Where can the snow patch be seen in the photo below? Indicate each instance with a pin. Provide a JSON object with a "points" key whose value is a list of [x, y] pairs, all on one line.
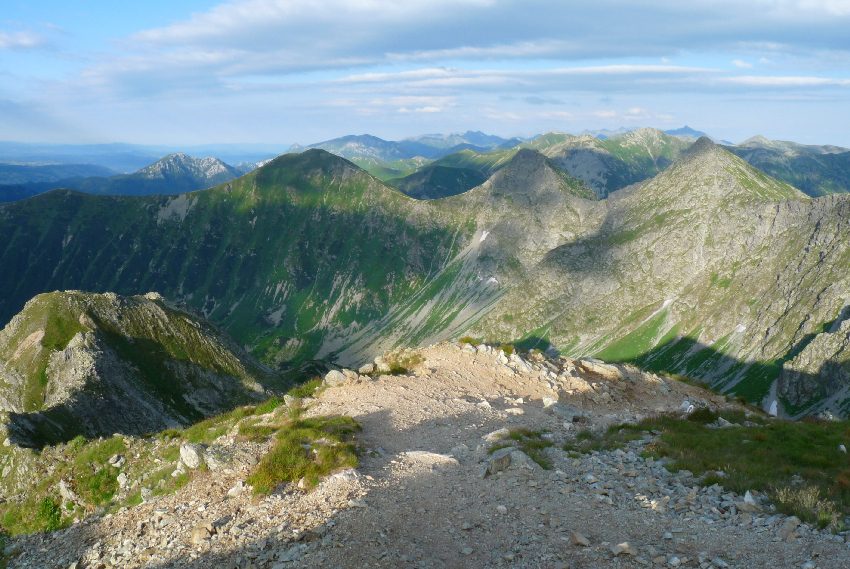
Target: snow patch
{"points": [[483, 236], [492, 280], [740, 328]]}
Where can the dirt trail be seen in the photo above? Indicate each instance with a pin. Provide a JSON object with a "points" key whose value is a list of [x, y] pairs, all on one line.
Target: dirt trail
{"points": [[418, 499]]}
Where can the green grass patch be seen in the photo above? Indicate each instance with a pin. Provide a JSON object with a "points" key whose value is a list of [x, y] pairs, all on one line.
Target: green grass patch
{"points": [[306, 389], [469, 340], [797, 464], [529, 442], [49, 514], [309, 449]]}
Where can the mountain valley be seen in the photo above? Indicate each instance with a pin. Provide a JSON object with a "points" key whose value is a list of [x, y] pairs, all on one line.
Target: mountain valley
{"points": [[309, 257]]}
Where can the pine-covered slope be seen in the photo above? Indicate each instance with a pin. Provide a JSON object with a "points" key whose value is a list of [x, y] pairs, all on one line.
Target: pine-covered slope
{"points": [[81, 363]]}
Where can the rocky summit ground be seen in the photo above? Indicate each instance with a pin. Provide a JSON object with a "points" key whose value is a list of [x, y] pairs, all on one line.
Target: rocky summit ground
{"points": [[428, 495]]}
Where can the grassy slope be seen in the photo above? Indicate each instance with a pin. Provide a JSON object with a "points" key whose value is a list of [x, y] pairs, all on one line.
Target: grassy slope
{"points": [[632, 291], [305, 242]]}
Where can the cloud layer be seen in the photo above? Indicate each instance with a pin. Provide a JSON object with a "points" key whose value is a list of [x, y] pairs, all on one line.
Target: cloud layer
{"points": [[502, 65]]}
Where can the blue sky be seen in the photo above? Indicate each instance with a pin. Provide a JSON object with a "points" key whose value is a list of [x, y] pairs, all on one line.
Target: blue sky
{"points": [[280, 71]]}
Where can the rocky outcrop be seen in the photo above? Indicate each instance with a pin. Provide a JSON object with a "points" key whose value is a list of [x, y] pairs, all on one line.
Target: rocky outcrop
{"points": [[103, 364], [820, 374]]}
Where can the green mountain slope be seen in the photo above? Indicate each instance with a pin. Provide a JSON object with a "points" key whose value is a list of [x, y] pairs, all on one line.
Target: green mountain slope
{"points": [[487, 163], [280, 257], [816, 170], [711, 270], [81, 363], [432, 182], [619, 161], [390, 170]]}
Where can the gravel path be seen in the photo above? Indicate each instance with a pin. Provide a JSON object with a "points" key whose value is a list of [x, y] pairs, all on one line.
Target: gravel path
{"points": [[418, 499]]}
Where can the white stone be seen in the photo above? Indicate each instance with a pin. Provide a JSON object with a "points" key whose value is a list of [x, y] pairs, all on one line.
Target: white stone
{"points": [[192, 454]]}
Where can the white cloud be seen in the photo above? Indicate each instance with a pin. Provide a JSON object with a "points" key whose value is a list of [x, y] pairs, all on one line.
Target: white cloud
{"points": [[24, 40], [742, 64], [757, 81]]}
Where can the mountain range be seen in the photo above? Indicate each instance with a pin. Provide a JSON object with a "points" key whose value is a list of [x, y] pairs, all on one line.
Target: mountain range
{"points": [[710, 269], [173, 174]]}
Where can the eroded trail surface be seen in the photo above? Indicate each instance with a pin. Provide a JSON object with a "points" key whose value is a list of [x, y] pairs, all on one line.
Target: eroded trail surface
{"points": [[419, 499]]}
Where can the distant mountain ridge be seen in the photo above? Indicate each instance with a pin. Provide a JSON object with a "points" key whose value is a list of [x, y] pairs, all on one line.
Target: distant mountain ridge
{"points": [[173, 174], [816, 170]]}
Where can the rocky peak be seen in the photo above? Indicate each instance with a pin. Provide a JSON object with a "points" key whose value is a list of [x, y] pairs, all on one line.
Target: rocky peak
{"points": [[530, 173]]}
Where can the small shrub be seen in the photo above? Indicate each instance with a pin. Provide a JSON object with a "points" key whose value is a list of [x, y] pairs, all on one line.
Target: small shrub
{"points": [[806, 504], [77, 443], [268, 406], [329, 445], [529, 442], [507, 348], [703, 416], [171, 434], [584, 435], [49, 514], [469, 340]]}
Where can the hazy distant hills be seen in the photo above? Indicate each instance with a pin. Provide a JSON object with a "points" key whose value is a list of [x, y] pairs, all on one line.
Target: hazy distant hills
{"points": [[607, 161], [429, 146], [710, 269], [12, 174], [127, 158], [173, 174]]}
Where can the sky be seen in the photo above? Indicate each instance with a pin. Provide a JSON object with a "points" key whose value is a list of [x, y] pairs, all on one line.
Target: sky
{"points": [[278, 71]]}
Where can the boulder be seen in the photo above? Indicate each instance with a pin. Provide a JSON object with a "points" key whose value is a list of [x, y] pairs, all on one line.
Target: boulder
{"points": [[335, 378], [499, 460], [192, 454], [564, 412], [367, 369], [202, 532]]}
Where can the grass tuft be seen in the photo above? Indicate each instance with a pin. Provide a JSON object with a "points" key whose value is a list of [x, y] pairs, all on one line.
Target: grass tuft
{"points": [[309, 449], [770, 455], [529, 442]]}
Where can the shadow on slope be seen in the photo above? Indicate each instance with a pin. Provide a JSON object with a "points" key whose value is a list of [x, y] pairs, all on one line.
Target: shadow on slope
{"points": [[689, 358]]}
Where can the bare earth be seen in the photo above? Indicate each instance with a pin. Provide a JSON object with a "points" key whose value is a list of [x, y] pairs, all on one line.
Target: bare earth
{"points": [[418, 500]]}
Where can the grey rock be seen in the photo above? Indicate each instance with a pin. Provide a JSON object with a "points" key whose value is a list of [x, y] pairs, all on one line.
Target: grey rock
{"points": [[192, 454], [499, 460], [335, 378]]}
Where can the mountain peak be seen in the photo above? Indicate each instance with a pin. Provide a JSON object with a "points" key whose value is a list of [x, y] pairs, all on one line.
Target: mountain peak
{"points": [[530, 172], [703, 145]]}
